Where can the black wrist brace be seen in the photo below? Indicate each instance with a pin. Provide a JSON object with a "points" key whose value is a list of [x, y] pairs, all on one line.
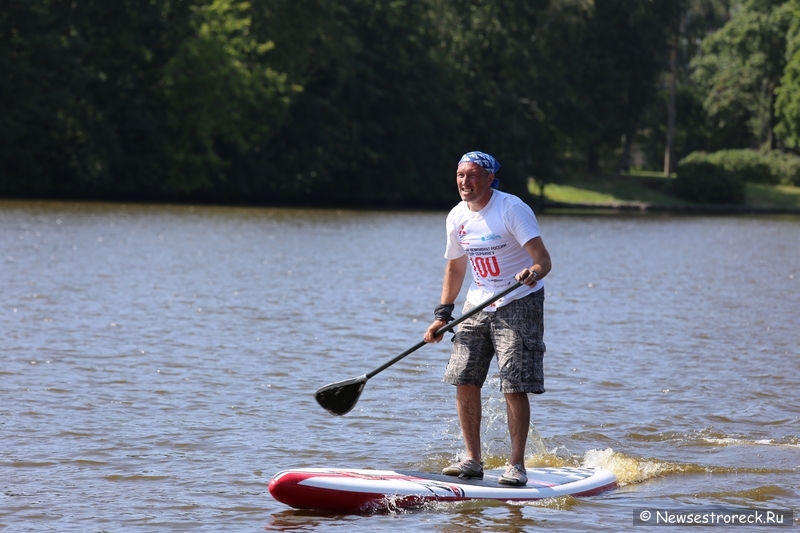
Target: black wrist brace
{"points": [[444, 312]]}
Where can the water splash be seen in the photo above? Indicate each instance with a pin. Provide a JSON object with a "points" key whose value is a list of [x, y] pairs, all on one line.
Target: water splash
{"points": [[636, 469], [628, 469], [495, 439]]}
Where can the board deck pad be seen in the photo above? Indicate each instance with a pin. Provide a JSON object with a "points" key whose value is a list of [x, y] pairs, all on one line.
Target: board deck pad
{"points": [[356, 490]]}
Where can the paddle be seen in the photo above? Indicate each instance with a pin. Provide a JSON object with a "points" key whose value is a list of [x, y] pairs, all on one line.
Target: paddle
{"points": [[340, 397]]}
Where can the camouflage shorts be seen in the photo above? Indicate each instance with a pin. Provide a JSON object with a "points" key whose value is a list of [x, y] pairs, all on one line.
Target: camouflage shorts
{"points": [[515, 333]]}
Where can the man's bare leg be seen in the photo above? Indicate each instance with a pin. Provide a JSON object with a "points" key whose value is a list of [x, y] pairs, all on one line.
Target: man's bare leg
{"points": [[518, 409], [468, 406]]}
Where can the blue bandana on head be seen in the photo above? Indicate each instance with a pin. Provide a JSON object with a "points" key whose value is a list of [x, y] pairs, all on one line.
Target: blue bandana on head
{"points": [[483, 160]]}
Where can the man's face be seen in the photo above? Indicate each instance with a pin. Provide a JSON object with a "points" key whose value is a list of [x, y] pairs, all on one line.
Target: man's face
{"points": [[474, 182]]}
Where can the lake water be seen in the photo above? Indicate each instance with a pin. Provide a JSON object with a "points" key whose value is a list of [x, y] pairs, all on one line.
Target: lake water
{"points": [[158, 365]]}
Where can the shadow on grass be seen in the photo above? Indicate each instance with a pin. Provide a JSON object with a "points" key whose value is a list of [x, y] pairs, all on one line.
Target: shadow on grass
{"points": [[780, 196], [651, 191], [610, 189]]}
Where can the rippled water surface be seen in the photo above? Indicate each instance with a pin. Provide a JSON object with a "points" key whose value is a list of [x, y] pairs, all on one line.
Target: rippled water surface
{"points": [[158, 365]]}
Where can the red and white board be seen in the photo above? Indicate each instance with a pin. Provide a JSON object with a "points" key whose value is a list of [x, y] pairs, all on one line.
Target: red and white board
{"points": [[353, 490]]}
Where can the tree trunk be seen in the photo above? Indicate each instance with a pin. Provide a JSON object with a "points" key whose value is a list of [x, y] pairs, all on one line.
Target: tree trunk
{"points": [[624, 164], [772, 121], [669, 150], [592, 161]]}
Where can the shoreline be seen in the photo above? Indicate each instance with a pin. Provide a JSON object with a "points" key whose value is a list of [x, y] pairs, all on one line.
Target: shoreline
{"points": [[644, 207], [536, 204]]}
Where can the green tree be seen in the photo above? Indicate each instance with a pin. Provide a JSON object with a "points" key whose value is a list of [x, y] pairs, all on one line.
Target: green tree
{"points": [[571, 76], [741, 66], [621, 54], [29, 46], [220, 98], [78, 94], [375, 107], [787, 104], [689, 21], [693, 132], [504, 92]]}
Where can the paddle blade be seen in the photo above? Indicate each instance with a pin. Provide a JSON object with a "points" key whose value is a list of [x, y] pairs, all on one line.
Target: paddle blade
{"points": [[339, 398]]}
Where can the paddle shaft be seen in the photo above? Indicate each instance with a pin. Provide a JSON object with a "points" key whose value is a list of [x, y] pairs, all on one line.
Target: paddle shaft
{"points": [[447, 327]]}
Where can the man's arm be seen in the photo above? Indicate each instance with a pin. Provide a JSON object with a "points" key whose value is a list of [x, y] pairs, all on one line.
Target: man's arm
{"points": [[541, 262], [454, 273]]}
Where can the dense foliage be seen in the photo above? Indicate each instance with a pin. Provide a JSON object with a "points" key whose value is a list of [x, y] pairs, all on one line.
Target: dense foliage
{"points": [[788, 94], [753, 166], [706, 183], [373, 101]]}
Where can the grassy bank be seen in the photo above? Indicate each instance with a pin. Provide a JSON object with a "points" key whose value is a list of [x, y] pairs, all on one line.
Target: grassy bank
{"points": [[655, 190]]}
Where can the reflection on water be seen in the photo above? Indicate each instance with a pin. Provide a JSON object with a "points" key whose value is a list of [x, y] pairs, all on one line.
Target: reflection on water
{"points": [[159, 365]]}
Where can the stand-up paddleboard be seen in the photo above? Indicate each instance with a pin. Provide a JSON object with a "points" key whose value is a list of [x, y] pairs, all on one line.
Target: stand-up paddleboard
{"points": [[351, 490]]}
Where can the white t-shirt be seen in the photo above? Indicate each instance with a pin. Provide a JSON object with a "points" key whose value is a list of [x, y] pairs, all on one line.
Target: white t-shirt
{"points": [[492, 239]]}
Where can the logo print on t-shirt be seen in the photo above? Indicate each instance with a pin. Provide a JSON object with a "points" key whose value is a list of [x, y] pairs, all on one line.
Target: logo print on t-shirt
{"points": [[462, 235]]}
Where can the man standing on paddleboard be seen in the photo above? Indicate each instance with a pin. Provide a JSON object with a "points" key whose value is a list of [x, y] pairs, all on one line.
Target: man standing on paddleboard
{"points": [[497, 235]]}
